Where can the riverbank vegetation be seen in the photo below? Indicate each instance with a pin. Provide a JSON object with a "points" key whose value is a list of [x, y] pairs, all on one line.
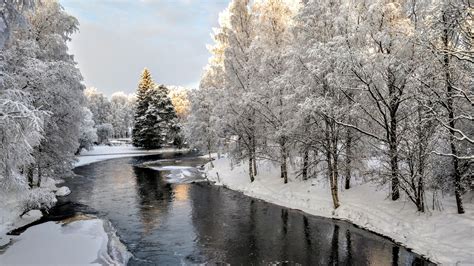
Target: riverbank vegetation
{"points": [[41, 99], [47, 116], [344, 92]]}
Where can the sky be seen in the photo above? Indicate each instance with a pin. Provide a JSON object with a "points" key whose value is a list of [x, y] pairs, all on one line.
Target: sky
{"points": [[119, 38]]}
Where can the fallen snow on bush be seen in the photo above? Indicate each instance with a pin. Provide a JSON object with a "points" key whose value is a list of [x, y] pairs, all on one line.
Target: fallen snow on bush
{"points": [[443, 236]]}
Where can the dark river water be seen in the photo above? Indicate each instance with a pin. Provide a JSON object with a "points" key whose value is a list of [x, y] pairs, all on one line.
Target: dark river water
{"points": [[169, 224]]}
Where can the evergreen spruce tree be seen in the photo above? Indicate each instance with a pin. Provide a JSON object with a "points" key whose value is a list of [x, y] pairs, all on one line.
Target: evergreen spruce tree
{"points": [[156, 122]]}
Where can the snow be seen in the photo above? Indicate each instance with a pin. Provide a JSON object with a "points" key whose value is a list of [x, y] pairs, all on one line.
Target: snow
{"points": [[63, 191], [10, 214], [180, 174], [77, 242], [442, 236], [9, 222], [105, 152]]}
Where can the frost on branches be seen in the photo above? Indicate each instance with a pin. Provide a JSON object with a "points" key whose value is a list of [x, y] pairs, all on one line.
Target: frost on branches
{"points": [[347, 92], [118, 112], [156, 123], [41, 97]]}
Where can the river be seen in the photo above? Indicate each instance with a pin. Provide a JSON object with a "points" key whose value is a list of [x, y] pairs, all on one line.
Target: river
{"points": [[168, 223]]}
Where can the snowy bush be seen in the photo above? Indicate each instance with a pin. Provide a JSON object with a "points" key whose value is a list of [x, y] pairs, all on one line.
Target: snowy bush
{"points": [[38, 198]]}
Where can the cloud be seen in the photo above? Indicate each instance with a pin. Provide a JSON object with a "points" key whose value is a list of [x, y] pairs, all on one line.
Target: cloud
{"points": [[118, 38]]}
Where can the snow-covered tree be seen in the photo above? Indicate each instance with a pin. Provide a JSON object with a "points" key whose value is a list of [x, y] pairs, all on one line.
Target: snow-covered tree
{"points": [[311, 83], [88, 132], [445, 40], [99, 105], [180, 99], [236, 116], [122, 111], [104, 133], [60, 90], [38, 64], [156, 123]]}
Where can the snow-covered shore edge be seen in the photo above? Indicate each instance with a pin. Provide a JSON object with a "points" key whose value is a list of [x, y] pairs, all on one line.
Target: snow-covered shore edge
{"points": [[443, 237], [104, 152]]}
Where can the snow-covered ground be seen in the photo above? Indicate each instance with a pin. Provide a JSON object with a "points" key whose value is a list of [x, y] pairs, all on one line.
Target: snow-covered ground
{"points": [[79, 242], [104, 152], [12, 208], [442, 236]]}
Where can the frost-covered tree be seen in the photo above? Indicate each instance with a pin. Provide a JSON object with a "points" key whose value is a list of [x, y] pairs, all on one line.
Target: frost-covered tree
{"points": [[60, 92], [201, 128], [198, 129], [312, 71], [21, 123], [237, 117], [445, 37], [37, 59], [104, 133], [311, 86], [99, 105], [180, 99], [272, 100], [88, 132], [122, 112]]}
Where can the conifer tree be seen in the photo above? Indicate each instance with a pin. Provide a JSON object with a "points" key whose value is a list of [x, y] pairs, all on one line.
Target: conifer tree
{"points": [[156, 122]]}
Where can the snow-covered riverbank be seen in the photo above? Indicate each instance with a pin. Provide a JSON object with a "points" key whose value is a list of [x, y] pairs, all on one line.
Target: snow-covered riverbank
{"points": [[12, 202], [442, 236], [104, 152], [80, 241]]}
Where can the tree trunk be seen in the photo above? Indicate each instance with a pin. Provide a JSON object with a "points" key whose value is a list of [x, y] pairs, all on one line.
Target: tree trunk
{"points": [[452, 125], [251, 170], [393, 153], [283, 167], [331, 149], [254, 157], [30, 174], [305, 164], [335, 170], [40, 175], [347, 184], [284, 171], [254, 165], [209, 152]]}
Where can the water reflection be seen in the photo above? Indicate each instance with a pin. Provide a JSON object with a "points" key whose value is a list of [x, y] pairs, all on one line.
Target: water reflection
{"points": [[154, 197], [162, 223]]}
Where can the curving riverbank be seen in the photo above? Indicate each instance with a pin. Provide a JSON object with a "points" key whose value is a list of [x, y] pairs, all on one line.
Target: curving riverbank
{"points": [[444, 236]]}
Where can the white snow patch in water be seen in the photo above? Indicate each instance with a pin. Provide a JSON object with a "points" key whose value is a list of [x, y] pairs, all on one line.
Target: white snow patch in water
{"points": [[180, 174], [63, 191], [78, 242]]}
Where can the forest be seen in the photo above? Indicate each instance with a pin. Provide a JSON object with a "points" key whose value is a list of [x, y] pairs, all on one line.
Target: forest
{"points": [[373, 90]]}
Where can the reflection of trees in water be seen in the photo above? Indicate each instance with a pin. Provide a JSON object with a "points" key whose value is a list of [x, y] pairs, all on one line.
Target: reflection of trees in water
{"points": [[239, 230], [99, 182], [154, 197], [236, 229]]}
